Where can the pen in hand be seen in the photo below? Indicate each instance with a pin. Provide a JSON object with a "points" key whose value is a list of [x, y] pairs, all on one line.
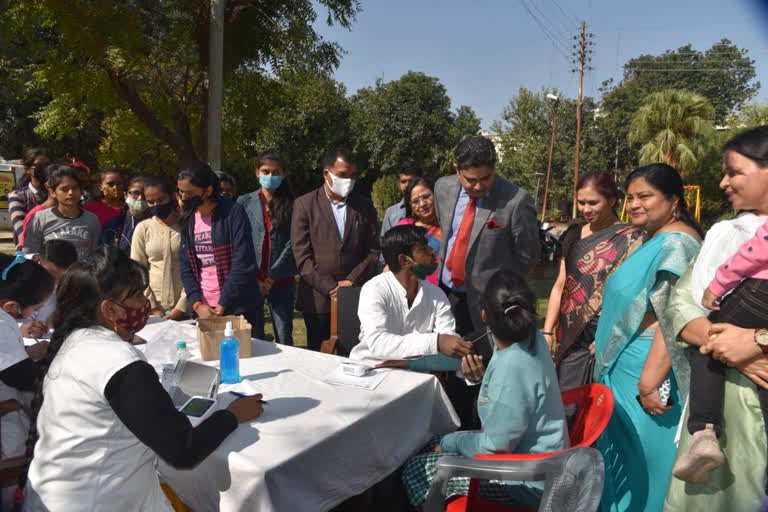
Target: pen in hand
{"points": [[241, 395]]}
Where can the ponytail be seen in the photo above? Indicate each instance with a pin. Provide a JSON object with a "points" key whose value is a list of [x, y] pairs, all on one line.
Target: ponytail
{"points": [[108, 274], [510, 309]]}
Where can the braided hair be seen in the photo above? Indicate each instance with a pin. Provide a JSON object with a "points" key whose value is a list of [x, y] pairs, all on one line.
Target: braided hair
{"points": [[510, 309], [108, 274]]}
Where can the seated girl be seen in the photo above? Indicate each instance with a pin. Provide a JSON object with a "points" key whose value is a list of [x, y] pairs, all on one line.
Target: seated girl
{"points": [[519, 404]]}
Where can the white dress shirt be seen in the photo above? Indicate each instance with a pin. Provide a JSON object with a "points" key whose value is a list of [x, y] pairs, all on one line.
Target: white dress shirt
{"points": [[389, 329]]}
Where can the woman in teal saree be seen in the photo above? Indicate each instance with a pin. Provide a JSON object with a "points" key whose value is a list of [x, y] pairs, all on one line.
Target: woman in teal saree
{"points": [[638, 444]]}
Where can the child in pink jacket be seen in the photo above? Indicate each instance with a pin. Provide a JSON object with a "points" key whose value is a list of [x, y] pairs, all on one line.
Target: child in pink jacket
{"points": [[745, 274]]}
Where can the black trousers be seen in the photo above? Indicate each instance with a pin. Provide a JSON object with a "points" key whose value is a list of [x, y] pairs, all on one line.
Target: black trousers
{"points": [[746, 306], [462, 396]]}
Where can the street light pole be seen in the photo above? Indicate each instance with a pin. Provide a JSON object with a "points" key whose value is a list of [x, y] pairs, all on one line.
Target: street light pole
{"points": [[551, 151], [215, 83], [538, 180]]}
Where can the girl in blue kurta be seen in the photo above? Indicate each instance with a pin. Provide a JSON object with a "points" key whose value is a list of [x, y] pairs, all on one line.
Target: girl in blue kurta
{"points": [[519, 404]]}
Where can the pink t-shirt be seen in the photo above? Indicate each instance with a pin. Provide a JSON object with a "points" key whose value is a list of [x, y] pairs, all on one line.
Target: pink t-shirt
{"points": [[751, 261], [209, 281]]}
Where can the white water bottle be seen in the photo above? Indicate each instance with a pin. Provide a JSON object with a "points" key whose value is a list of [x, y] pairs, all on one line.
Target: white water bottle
{"points": [[182, 352]]}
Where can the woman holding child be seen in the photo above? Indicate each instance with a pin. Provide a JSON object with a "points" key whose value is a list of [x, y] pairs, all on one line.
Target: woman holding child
{"points": [[739, 483], [638, 444]]}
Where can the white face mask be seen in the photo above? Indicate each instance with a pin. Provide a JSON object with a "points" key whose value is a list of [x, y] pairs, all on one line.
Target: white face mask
{"points": [[137, 205], [341, 186]]}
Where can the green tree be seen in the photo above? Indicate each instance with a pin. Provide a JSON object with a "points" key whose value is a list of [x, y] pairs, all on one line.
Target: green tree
{"points": [[408, 119], [151, 58], [674, 127]]}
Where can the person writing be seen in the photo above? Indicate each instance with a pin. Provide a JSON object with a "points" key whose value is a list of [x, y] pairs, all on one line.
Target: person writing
{"points": [[401, 314], [101, 414]]}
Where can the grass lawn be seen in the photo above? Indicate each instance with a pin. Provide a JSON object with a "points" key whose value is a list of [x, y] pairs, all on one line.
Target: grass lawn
{"points": [[540, 280]]}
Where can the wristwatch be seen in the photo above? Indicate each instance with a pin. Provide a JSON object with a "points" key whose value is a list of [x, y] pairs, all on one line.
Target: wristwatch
{"points": [[761, 339]]}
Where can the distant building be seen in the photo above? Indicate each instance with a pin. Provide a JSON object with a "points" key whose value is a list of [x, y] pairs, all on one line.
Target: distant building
{"points": [[496, 139]]}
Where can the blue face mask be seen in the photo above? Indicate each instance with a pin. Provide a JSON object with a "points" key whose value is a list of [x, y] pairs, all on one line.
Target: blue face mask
{"points": [[270, 182]]}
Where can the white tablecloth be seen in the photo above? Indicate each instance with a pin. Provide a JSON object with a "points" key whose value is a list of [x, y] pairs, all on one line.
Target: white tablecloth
{"points": [[316, 444]]}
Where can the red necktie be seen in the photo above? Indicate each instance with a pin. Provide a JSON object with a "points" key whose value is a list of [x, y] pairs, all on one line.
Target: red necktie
{"points": [[458, 255]]}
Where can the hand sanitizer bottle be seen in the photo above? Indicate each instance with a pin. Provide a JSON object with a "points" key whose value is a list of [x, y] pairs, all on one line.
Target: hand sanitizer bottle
{"points": [[229, 357]]}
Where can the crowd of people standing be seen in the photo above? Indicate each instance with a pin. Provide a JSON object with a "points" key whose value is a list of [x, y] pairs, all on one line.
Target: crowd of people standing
{"points": [[669, 318]]}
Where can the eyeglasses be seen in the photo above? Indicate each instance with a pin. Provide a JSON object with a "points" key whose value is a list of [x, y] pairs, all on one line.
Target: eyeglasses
{"points": [[426, 198]]}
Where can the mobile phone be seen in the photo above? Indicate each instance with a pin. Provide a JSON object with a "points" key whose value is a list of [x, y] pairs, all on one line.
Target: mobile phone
{"points": [[481, 345], [197, 406]]}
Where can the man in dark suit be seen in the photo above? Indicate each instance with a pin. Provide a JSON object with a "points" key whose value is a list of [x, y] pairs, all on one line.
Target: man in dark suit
{"points": [[488, 224], [335, 242]]}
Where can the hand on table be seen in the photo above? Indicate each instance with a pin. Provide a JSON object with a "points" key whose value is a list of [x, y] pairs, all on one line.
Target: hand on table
{"points": [[394, 363], [34, 329], [158, 312], [472, 367], [453, 346], [731, 345], [175, 314], [247, 408], [205, 311], [437, 449], [37, 351], [218, 310], [710, 300]]}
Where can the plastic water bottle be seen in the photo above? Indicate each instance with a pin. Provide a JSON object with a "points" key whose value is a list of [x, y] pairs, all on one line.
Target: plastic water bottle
{"points": [[229, 357], [182, 352]]}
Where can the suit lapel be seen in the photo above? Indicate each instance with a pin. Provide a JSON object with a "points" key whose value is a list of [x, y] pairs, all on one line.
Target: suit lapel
{"points": [[482, 214], [351, 218], [324, 205]]}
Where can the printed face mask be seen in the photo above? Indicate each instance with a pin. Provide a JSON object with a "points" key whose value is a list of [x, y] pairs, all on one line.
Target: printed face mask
{"points": [[135, 318], [136, 205], [110, 192], [271, 182], [341, 186], [162, 211]]}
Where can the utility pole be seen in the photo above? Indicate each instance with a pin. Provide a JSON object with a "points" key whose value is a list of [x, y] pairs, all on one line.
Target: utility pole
{"points": [[582, 56], [215, 83], [551, 151]]}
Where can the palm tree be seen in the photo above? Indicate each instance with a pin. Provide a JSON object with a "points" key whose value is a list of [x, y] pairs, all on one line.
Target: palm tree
{"points": [[674, 127]]}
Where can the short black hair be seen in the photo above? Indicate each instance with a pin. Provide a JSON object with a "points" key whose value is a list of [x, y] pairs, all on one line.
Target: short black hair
{"points": [[27, 283], [30, 154], [476, 151], [226, 178], [59, 252], [410, 169], [276, 156], [510, 309], [401, 240], [335, 153], [163, 182]]}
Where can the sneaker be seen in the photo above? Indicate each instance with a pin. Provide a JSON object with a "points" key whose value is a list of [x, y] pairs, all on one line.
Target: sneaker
{"points": [[702, 456]]}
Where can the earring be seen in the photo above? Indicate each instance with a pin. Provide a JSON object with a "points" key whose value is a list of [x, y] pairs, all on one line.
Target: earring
{"points": [[674, 214]]}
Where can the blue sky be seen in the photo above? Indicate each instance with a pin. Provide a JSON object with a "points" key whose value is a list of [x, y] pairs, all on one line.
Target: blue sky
{"points": [[484, 51]]}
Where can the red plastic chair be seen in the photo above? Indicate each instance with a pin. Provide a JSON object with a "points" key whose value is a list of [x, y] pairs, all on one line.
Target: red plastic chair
{"points": [[594, 408]]}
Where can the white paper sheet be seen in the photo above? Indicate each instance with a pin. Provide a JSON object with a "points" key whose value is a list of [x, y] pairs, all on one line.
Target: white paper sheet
{"points": [[337, 377]]}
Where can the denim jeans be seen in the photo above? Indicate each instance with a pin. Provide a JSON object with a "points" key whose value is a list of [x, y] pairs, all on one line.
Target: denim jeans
{"points": [[280, 301]]}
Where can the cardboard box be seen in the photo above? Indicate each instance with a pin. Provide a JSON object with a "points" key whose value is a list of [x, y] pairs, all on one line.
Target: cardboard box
{"points": [[210, 332]]}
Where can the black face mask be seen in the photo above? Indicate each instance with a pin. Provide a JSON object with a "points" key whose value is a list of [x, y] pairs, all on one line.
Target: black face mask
{"points": [[162, 211], [40, 172], [193, 203]]}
